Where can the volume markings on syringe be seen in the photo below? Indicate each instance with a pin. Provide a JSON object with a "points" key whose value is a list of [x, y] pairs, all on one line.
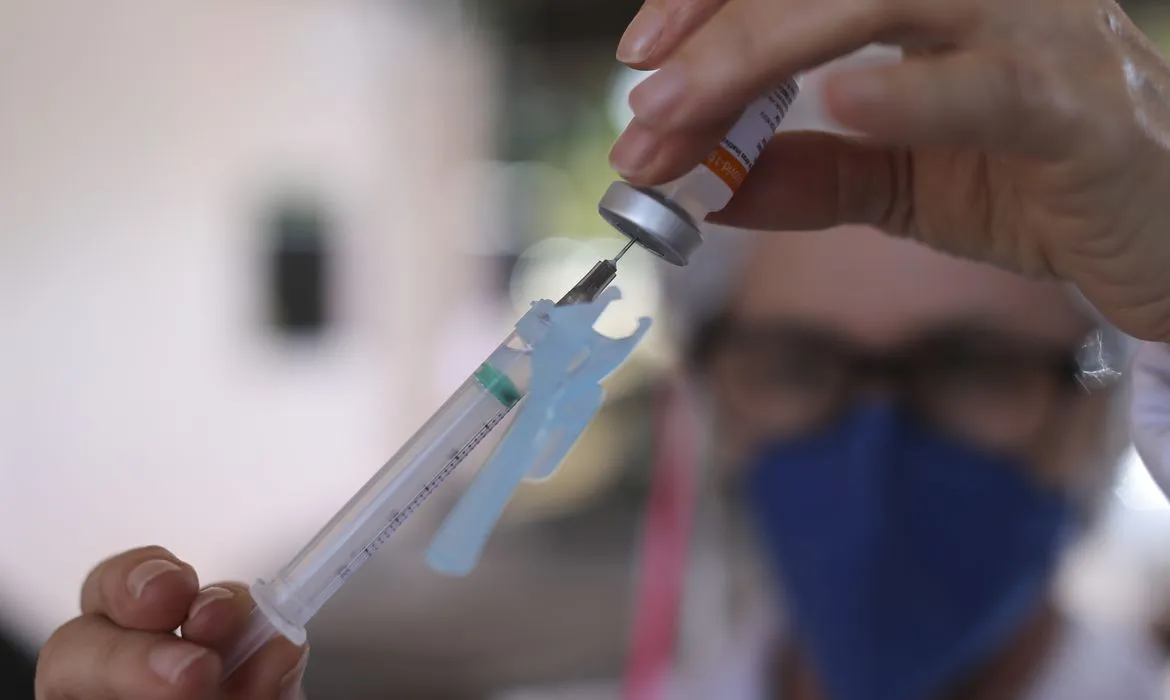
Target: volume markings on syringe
{"points": [[398, 517]]}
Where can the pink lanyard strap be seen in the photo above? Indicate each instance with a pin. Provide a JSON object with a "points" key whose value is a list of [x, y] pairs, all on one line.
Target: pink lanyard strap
{"points": [[665, 547]]}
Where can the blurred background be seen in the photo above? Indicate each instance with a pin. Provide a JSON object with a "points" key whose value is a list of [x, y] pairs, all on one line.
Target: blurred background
{"points": [[247, 246]]}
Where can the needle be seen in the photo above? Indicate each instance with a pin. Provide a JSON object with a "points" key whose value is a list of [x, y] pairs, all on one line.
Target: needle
{"points": [[624, 250]]}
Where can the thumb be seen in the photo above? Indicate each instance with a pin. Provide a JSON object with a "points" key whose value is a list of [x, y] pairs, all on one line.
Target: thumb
{"points": [[808, 181]]}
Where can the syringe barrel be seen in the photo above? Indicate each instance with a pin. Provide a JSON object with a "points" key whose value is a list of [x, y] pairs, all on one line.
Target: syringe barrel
{"points": [[299, 590]]}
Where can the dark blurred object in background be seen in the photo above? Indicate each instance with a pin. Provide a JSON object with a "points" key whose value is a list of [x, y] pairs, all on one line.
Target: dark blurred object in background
{"points": [[556, 22], [299, 256], [16, 669]]}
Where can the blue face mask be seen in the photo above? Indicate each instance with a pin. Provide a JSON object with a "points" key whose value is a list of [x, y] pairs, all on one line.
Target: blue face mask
{"points": [[906, 558]]}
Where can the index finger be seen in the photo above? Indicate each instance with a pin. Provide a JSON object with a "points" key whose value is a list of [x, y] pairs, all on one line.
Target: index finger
{"points": [[659, 27], [750, 46], [146, 589]]}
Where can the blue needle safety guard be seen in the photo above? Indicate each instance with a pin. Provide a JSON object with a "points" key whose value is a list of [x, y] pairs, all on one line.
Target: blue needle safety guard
{"points": [[569, 361]]}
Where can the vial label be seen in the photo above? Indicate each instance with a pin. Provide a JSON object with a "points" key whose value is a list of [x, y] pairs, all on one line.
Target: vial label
{"points": [[743, 146]]}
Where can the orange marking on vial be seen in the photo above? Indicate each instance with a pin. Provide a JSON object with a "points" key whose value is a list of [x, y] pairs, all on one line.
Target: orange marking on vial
{"points": [[727, 167]]}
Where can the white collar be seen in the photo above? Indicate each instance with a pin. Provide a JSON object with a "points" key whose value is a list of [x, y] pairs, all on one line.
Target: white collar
{"points": [[1088, 663], [1098, 663]]}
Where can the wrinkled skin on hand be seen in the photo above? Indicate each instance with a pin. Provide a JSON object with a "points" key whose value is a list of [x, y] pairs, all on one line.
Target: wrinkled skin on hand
{"points": [[1034, 135]]}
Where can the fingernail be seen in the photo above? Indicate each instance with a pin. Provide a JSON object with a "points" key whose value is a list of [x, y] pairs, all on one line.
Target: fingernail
{"points": [[290, 685], [146, 572], [660, 94], [633, 151], [641, 35], [206, 597], [170, 660]]}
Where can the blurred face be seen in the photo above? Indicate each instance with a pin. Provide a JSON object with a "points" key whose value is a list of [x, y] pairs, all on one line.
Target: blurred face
{"points": [[909, 429], [824, 320]]}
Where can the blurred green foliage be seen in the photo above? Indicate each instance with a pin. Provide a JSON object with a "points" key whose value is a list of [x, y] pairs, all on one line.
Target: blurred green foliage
{"points": [[584, 159]]}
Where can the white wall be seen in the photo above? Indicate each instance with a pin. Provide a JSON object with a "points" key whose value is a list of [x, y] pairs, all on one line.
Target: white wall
{"points": [[140, 400]]}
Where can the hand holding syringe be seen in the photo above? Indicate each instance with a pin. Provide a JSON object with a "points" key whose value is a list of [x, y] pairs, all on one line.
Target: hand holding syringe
{"points": [[553, 352]]}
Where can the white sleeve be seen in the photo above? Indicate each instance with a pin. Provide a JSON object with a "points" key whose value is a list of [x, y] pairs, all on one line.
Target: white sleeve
{"points": [[1150, 412]]}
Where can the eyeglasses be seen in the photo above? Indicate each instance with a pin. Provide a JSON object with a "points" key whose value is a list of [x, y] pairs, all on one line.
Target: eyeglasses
{"points": [[980, 385]]}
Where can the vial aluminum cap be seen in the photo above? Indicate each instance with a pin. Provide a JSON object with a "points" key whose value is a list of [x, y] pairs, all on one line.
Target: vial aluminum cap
{"points": [[652, 221]]}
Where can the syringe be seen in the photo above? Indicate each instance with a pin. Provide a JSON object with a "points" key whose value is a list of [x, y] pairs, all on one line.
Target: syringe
{"points": [[663, 220], [286, 602]]}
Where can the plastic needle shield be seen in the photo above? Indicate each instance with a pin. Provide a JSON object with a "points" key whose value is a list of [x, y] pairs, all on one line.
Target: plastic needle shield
{"points": [[569, 361]]}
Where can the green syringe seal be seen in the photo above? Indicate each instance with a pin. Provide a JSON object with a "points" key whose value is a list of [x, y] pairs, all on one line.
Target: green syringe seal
{"points": [[498, 385]]}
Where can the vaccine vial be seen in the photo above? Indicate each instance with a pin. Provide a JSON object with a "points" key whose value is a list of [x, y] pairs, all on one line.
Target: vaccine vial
{"points": [[665, 219]]}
